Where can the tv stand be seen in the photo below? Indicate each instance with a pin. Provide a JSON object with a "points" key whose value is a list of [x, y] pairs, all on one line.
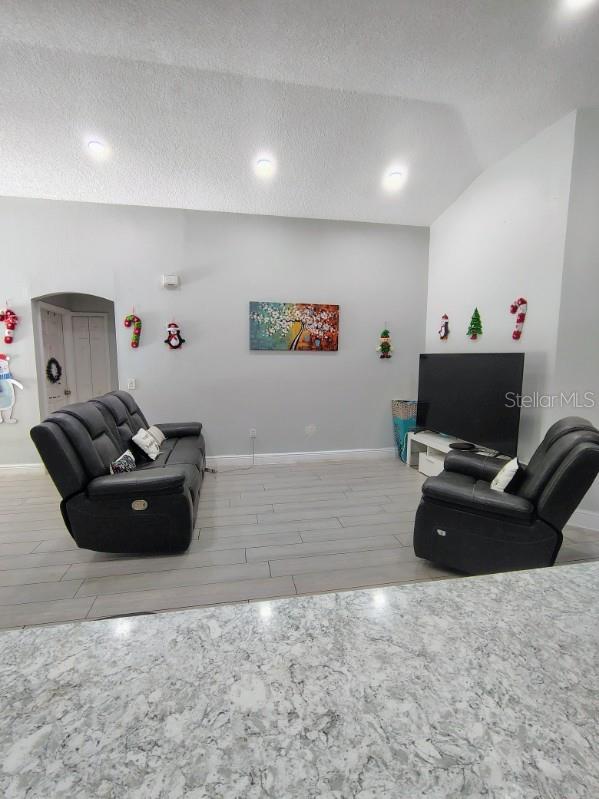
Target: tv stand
{"points": [[427, 451]]}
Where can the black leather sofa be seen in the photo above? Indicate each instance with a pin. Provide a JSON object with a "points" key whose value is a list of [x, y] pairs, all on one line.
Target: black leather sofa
{"points": [[463, 524], [151, 509]]}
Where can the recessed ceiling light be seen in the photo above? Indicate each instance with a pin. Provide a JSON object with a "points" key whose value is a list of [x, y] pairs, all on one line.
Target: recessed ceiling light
{"points": [[394, 179], [97, 148], [577, 5], [264, 166]]}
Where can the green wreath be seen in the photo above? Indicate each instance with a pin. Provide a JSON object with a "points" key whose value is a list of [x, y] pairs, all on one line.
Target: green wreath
{"points": [[53, 371]]}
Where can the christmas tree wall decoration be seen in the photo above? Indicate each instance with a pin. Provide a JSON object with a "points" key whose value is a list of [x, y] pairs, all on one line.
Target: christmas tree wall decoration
{"points": [[475, 328]]}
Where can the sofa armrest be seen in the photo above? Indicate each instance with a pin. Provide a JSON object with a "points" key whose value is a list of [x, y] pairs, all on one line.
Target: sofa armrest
{"points": [[180, 429], [150, 482], [481, 467]]}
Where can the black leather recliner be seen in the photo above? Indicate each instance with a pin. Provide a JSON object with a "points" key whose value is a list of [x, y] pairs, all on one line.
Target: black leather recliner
{"points": [[151, 509], [463, 524]]}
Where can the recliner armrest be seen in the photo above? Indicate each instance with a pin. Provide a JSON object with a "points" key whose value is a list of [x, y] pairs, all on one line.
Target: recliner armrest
{"points": [[476, 496], [151, 482], [180, 429], [481, 467]]}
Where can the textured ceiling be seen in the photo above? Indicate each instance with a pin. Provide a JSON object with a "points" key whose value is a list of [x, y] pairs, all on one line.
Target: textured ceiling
{"points": [[187, 92]]}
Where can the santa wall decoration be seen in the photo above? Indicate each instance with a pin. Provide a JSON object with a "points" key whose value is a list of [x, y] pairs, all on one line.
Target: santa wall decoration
{"points": [[519, 307], [444, 329], [7, 391], [10, 320], [174, 338], [134, 322]]}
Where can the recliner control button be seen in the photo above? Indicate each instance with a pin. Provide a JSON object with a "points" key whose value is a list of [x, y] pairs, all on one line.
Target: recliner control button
{"points": [[139, 504]]}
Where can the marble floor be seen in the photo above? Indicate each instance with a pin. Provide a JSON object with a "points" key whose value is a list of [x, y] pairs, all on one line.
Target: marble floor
{"points": [[268, 531], [478, 687]]}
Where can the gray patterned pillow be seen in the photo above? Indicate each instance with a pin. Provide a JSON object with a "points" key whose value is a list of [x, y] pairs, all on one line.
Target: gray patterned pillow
{"points": [[124, 463]]}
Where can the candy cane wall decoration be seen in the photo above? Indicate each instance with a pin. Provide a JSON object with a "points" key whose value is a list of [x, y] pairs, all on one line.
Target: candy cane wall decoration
{"points": [[134, 322], [11, 321], [519, 307]]}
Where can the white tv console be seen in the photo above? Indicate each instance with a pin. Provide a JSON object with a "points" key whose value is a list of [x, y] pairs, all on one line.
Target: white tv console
{"points": [[427, 451]]}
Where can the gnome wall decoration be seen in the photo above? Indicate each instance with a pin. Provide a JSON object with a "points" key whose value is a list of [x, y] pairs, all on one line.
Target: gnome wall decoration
{"points": [[10, 320], [444, 329], [385, 347], [174, 338], [7, 391]]}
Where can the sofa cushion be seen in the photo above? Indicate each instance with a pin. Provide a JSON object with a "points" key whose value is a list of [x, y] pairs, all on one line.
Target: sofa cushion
{"points": [[133, 409], [186, 450], [116, 413], [93, 440]]}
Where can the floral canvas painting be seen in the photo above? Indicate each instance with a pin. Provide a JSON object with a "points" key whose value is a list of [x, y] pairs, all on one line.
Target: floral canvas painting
{"points": [[294, 326]]}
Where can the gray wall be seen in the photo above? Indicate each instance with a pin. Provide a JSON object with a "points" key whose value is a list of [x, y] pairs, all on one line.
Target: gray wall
{"points": [[377, 273], [504, 238], [577, 361]]}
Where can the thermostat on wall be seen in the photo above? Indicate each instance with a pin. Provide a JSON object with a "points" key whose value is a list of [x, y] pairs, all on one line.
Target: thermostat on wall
{"points": [[170, 281]]}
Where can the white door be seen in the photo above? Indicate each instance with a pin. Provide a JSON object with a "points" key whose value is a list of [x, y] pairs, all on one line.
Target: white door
{"points": [[57, 390], [92, 362]]}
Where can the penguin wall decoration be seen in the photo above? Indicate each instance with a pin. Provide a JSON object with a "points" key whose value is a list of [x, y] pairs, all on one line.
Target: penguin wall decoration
{"points": [[444, 329], [174, 338]]}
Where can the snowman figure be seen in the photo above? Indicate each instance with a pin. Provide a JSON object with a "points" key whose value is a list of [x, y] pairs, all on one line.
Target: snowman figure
{"points": [[174, 339], [7, 391]]}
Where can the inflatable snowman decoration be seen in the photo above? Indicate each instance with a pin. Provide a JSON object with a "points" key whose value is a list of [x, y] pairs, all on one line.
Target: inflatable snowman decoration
{"points": [[7, 391]]}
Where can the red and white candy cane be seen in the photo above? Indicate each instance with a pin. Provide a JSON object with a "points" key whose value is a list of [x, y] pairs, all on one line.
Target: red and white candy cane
{"points": [[11, 321], [519, 307], [134, 322]]}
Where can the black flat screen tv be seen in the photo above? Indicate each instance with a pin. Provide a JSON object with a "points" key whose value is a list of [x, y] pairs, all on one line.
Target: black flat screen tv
{"points": [[472, 397]]}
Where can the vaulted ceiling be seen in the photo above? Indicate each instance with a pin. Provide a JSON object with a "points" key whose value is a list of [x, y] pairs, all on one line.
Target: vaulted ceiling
{"points": [[188, 92]]}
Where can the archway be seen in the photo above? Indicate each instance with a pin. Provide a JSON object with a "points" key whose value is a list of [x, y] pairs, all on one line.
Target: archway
{"points": [[75, 347]]}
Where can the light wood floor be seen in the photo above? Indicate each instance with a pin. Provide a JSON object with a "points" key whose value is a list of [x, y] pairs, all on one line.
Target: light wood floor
{"points": [[269, 531]]}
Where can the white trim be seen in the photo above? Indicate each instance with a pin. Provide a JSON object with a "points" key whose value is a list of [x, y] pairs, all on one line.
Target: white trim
{"points": [[264, 458], [585, 518], [69, 353], [38, 467]]}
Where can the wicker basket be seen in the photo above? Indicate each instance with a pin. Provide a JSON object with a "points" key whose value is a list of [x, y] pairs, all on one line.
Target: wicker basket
{"points": [[404, 420]]}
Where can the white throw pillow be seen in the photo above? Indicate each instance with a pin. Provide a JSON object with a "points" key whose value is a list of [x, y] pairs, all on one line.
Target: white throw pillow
{"points": [[156, 434], [147, 443], [505, 475]]}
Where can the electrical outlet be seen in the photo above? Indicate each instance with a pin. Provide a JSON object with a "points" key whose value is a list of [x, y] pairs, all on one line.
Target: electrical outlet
{"points": [[131, 384], [310, 429], [252, 432]]}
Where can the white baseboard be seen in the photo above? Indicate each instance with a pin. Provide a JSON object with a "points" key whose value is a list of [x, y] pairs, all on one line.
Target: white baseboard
{"points": [[268, 458], [37, 467], [585, 518]]}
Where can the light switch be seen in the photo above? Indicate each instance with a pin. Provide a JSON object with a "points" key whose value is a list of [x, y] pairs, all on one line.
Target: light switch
{"points": [[131, 384]]}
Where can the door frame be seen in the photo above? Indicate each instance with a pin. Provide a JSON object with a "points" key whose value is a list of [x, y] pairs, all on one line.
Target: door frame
{"points": [[69, 354], [88, 314]]}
